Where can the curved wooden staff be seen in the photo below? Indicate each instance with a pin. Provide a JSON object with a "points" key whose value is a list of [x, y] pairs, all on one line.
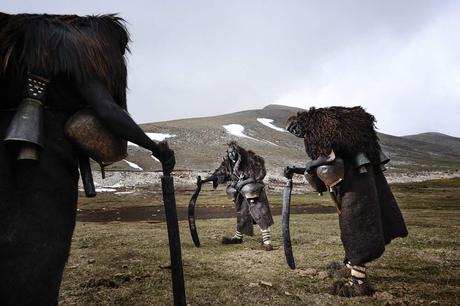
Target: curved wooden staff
{"points": [[285, 224], [167, 184], [191, 208], [191, 213]]}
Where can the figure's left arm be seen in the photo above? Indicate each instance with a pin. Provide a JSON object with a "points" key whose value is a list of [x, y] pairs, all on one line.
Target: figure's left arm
{"points": [[121, 124]]}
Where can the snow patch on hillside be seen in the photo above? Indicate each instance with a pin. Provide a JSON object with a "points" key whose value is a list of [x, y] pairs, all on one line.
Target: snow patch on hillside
{"points": [[268, 122], [105, 189], [133, 165], [156, 137], [236, 130], [155, 159]]}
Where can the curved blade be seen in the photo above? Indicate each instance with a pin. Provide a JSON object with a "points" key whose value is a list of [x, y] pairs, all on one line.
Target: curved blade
{"points": [[167, 184], [191, 213], [286, 233]]}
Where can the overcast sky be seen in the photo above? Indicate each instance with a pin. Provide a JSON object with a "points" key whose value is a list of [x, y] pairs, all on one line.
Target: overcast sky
{"points": [[398, 59]]}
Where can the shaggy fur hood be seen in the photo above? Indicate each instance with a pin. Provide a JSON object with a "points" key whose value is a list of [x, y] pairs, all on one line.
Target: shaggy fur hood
{"points": [[66, 46], [249, 164], [345, 130]]}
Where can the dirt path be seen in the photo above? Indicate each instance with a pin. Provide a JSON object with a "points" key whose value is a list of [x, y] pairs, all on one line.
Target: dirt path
{"points": [[156, 213]]}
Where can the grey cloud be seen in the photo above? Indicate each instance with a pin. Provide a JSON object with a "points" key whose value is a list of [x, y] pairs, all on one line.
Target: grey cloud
{"points": [[197, 58]]}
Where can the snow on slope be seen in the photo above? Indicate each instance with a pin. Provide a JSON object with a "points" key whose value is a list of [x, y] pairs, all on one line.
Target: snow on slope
{"points": [[133, 165], [268, 122], [237, 130], [156, 137]]}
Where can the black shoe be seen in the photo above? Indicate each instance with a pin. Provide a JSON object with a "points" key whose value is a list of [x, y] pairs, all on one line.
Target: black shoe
{"points": [[268, 247], [337, 270], [233, 240], [350, 287]]}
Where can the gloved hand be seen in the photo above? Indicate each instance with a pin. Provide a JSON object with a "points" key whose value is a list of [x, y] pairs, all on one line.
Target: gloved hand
{"points": [[309, 168], [240, 184], [288, 172], [166, 157]]}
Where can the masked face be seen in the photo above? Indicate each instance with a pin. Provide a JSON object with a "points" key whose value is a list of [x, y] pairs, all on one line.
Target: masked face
{"points": [[232, 154], [294, 127]]}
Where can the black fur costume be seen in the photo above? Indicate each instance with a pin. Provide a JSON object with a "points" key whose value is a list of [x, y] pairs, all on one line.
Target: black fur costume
{"points": [[370, 216], [38, 199], [248, 165]]}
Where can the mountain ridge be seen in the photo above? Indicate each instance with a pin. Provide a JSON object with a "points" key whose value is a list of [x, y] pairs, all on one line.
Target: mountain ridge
{"points": [[199, 143]]}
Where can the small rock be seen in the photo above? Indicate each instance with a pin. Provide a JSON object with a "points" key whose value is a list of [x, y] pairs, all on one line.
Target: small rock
{"points": [[322, 274], [307, 272], [73, 267], [383, 295], [166, 265], [268, 284], [287, 293], [124, 266], [91, 260], [253, 284], [434, 302]]}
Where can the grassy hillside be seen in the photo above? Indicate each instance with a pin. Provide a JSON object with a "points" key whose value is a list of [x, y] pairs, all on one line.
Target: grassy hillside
{"points": [[199, 144]]}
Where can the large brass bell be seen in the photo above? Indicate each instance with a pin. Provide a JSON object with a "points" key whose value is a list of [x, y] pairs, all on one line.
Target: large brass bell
{"points": [[25, 132]]}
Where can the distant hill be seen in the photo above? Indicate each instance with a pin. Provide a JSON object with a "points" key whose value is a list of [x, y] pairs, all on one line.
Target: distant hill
{"points": [[199, 143], [438, 139]]}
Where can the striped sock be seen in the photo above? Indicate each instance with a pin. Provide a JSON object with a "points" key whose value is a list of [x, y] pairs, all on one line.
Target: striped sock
{"points": [[238, 235], [358, 274], [266, 236]]}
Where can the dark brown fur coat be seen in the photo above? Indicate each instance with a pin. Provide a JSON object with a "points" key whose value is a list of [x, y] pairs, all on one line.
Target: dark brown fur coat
{"points": [[38, 200], [370, 216], [248, 165]]}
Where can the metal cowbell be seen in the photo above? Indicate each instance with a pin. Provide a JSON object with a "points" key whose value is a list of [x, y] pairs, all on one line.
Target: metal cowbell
{"points": [[25, 132]]}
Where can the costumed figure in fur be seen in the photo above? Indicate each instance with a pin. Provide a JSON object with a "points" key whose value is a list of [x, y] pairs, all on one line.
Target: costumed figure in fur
{"points": [[347, 161], [62, 100], [245, 171]]}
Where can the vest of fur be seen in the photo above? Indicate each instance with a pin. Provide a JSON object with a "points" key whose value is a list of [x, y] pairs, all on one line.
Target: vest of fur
{"points": [[248, 165], [38, 199], [370, 216]]}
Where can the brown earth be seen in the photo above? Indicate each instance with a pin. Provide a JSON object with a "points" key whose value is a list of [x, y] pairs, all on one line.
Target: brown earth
{"points": [[155, 214]]}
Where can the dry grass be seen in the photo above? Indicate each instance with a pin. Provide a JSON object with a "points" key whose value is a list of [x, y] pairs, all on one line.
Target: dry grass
{"points": [[119, 263]]}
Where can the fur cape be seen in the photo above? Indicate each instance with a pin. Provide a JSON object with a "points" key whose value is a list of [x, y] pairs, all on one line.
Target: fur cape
{"points": [[64, 46], [348, 131], [38, 199], [248, 165], [370, 216]]}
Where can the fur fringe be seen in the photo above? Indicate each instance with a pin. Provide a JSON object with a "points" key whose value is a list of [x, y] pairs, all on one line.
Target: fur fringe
{"points": [[249, 164]]}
